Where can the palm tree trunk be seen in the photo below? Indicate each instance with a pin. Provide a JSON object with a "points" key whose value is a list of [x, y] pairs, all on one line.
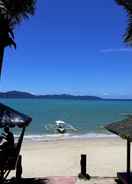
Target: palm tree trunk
{"points": [[1, 58]]}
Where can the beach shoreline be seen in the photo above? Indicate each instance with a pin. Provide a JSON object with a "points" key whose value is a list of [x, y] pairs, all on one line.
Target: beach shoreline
{"points": [[105, 157], [66, 136]]}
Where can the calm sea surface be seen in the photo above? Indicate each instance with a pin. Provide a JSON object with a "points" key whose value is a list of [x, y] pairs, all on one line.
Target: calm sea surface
{"points": [[88, 117]]}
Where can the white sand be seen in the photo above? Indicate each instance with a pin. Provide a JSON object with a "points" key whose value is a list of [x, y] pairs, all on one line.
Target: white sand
{"points": [[105, 157]]}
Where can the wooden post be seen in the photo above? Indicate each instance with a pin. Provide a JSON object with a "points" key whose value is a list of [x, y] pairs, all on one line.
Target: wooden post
{"points": [[128, 160], [20, 140], [1, 58], [83, 164]]}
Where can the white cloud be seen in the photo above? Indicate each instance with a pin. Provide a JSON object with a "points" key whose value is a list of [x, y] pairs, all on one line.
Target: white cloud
{"points": [[116, 50], [106, 94]]}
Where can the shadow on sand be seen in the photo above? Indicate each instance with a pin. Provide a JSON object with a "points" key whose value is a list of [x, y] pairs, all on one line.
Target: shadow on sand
{"points": [[28, 181], [44, 180]]}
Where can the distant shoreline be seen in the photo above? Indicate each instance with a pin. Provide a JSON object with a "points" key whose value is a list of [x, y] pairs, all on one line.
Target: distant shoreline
{"points": [[26, 95]]}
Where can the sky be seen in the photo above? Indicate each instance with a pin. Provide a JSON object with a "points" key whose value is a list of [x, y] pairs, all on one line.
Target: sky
{"points": [[72, 47]]}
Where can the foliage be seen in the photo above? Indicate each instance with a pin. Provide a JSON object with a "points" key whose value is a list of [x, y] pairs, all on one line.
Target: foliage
{"points": [[12, 12], [127, 5]]}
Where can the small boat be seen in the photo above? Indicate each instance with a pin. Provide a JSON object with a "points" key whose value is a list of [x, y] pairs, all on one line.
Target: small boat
{"points": [[60, 126]]}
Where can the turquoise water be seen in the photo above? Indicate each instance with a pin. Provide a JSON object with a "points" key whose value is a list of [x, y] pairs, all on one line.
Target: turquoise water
{"points": [[88, 117]]}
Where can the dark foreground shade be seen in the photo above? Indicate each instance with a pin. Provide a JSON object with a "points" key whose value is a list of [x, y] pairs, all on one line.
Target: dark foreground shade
{"points": [[122, 128], [46, 180], [11, 118]]}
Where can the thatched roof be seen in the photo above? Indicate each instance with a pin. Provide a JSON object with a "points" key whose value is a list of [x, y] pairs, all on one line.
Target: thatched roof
{"points": [[122, 128], [10, 117]]}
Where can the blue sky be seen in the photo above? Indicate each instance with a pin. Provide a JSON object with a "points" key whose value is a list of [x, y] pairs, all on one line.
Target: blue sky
{"points": [[71, 46]]}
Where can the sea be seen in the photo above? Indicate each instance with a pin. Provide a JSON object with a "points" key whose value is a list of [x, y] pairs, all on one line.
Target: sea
{"points": [[86, 118]]}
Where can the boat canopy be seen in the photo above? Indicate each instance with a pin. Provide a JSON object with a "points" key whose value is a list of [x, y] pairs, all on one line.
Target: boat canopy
{"points": [[58, 122], [11, 118]]}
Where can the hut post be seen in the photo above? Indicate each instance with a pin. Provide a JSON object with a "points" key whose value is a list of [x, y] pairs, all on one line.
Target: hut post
{"points": [[128, 160]]}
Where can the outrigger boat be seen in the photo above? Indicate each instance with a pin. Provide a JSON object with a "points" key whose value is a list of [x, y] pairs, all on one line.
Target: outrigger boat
{"points": [[60, 126]]}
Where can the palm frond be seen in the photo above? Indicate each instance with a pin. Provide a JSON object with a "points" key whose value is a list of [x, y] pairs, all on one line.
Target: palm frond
{"points": [[127, 5], [19, 10], [11, 33], [128, 34], [3, 10], [10, 42], [2, 6], [13, 12]]}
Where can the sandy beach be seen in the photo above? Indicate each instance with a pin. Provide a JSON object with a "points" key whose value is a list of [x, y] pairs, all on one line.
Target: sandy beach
{"points": [[105, 157]]}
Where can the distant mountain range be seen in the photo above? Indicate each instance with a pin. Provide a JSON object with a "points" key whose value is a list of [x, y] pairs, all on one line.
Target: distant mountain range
{"points": [[19, 94]]}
